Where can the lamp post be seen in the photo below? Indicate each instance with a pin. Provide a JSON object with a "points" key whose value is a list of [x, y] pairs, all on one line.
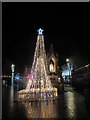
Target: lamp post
{"points": [[12, 79], [12, 68]]}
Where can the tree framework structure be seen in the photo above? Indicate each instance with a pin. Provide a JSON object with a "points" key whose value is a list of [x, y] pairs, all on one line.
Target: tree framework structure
{"points": [[39, 85]]}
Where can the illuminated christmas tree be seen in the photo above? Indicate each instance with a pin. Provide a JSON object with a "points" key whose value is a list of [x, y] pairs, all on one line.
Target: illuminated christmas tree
{"points": [[39, 81], [39, 78]]}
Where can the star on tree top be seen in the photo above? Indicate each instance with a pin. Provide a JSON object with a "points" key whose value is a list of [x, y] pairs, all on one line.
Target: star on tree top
{"points": [[40, 31]]}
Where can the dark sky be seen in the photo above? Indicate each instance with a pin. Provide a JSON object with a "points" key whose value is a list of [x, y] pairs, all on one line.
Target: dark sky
{"points": [[65, 25]]}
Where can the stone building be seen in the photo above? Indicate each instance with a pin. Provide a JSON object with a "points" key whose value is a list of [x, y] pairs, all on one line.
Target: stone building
{"points": [[53, 68]]}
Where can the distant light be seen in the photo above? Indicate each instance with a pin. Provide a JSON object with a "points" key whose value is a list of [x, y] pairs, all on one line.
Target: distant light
{"points": [[12, 67], [68, 65], [28, 76], [40, 31], [86, 65], [67, 60], [58, 79], [17, 78]]}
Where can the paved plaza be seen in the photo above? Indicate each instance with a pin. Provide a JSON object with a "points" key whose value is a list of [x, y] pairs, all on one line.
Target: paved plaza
{"points": [[71, 104]]}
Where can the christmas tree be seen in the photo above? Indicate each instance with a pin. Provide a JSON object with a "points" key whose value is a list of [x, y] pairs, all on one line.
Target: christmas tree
{"points": [[39, 80]]}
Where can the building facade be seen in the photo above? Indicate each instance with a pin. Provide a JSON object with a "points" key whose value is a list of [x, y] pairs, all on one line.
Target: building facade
{"points": [[53, 68], [67, 72]]}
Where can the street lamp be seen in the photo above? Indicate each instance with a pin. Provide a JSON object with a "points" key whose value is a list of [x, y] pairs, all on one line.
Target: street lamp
{"points": [[67, 60]]}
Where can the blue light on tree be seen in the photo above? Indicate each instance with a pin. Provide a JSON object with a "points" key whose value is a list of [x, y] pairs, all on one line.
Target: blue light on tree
{"points": [[40, 31]]}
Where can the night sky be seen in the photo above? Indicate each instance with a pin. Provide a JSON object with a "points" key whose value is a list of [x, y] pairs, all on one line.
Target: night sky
{"points": [[65, 25]]}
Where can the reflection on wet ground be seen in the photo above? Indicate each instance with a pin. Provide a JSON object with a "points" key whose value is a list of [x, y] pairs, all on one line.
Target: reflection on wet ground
{"points": [[70, 104]]}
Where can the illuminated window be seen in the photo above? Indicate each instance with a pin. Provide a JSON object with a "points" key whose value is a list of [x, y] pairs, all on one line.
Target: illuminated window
{"points": [[51, 68]]}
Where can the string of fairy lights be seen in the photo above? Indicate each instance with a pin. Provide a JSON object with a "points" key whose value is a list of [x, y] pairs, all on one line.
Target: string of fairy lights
{"points": [[39, 68], [39, 80]]}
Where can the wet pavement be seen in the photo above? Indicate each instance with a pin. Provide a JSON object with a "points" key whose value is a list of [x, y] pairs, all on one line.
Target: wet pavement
{"points": [[71, 104]]}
